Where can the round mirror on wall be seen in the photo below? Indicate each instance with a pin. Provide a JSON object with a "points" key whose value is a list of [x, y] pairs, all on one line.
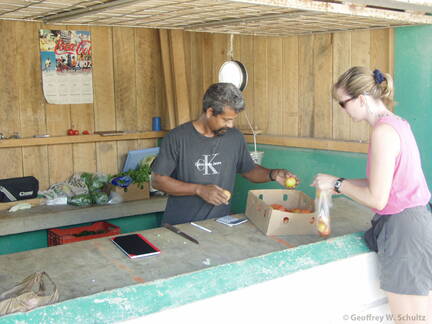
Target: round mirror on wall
{"points": [[235, 73]]}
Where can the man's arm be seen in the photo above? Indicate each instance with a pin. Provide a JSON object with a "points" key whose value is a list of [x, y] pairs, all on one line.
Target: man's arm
{"points": [[210, 193], [260, 174]]}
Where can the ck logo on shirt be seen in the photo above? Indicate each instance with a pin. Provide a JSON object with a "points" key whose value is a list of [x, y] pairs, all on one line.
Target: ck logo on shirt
{"points": [[207, 164]]}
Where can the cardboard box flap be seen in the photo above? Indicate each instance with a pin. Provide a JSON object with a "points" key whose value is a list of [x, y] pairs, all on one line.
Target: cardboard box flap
{"points": [[276, 222]]}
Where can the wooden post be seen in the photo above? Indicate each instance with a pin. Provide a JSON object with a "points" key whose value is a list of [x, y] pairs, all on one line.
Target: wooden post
{"points": [[166, 65], [179, 76]]}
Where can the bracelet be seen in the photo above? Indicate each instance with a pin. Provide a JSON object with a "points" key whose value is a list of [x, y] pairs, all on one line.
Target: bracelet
{"points": [[271, 175]]}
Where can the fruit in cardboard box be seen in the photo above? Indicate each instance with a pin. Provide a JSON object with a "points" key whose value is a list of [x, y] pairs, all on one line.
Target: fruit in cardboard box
{"points": [[294, 210], [278, 207]]}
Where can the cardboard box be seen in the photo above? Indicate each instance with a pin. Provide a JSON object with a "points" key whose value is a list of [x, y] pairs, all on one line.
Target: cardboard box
{"points": [[276, 222], [133, 191]]}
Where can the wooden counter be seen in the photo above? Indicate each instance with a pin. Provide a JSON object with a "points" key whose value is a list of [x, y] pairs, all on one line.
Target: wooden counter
{"points": [[88, 267], [44, 217]]}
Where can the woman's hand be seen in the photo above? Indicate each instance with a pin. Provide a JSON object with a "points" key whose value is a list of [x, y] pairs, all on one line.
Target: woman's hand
{"points": [[324, 182]]}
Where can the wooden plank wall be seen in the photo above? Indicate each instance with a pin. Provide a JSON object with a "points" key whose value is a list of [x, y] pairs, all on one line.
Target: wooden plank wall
{"points": [[290, 78], [128, 92], [288, 91]]}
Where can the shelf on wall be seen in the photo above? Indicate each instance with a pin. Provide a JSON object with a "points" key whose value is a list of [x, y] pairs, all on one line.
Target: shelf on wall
{"points": [[310, 143], [302, 142], [76, 139]]}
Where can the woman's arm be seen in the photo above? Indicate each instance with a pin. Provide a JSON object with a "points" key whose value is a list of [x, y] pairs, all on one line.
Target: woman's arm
{"points": [[375, 191]]}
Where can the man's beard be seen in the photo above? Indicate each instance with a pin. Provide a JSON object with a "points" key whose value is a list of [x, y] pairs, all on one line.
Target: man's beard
{"points": [[221, 131]]}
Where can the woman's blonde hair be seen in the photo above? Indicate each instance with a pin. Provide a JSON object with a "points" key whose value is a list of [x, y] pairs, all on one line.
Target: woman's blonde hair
{"points": [[360, 80]]}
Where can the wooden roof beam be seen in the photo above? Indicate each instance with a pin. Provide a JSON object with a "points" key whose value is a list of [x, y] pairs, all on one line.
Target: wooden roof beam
{"points": [[345, 9], [80, 12], [409, 5]]}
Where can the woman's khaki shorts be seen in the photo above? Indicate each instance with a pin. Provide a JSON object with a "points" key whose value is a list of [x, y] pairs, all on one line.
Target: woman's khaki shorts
{"points": [[405, 252]]}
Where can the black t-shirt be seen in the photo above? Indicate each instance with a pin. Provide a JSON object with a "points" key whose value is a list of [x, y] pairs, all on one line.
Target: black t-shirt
{"points": [[189, 156]]}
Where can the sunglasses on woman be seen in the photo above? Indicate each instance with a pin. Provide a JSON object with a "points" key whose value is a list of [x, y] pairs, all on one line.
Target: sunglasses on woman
{"points": [[343, 103]]}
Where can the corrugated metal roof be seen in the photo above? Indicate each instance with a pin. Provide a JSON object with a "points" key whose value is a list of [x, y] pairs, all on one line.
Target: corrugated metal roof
{"points": [[255, 17]]}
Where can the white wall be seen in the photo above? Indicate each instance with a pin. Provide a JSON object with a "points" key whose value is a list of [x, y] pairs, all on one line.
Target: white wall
{"points": [[344, 291]]}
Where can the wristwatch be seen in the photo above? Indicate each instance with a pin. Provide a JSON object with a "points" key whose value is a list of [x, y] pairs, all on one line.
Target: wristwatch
{"points": [[271, 175], [338, 184]]}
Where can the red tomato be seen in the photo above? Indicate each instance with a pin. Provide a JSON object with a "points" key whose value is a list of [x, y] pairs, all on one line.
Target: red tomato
{"points": [[70, 131], [76, 132], [86, 132]]}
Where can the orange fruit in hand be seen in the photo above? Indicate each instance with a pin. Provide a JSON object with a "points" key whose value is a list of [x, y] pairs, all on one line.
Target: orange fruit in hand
{"points": [[290, 182], [228, 194]]}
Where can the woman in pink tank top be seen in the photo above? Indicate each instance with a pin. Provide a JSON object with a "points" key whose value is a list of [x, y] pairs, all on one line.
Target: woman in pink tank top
{"points": [[395, 189]]}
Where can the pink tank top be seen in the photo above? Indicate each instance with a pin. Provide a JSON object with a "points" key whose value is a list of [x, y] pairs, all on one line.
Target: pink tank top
{"points": [[409, 187]]}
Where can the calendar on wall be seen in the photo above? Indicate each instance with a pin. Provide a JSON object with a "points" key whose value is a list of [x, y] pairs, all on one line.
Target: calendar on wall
{"points": [[66, 63]]}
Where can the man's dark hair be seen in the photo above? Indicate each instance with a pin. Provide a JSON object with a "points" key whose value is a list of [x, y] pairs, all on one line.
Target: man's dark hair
{"points": [[220, 95]]}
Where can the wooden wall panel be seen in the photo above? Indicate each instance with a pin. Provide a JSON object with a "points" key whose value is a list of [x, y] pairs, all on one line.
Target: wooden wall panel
{"points": [[245, 53], [60, 157], [322, 86], [379, 43], [145, 82], [207, 61], [31, 102], [341, 62], [104, 100], [360, 56], [274, 76], [195, 75], [9, 103], [159, 108], [125, 78], [306, 86], [180, 81], [290, 86], [261, 83], [125, 87], [168, 77], [220, 53], [84, 155]]}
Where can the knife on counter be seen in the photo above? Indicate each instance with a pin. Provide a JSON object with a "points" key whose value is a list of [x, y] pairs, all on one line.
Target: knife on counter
{"points": [[177, 231]]}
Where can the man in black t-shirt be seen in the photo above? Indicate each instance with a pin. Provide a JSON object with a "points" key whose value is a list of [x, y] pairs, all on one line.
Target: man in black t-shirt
{"points": [[199, 160]]}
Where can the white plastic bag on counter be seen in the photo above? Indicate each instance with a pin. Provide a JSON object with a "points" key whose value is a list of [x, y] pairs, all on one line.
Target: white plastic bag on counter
{"points": [[323, 202]]}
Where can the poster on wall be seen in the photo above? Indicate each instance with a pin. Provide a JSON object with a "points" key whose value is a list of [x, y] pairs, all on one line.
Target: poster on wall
{"points": [[66, 64]]}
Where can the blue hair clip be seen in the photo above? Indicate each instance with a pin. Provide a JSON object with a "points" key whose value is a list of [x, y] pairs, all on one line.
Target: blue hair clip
{"points": [[378, 76]]}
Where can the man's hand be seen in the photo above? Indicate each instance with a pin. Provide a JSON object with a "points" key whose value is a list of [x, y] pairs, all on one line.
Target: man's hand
{"points": [[212, 194], [282, 175]]}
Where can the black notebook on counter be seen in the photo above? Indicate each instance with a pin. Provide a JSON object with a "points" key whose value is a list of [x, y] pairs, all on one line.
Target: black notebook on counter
{"points": [[135, 245]]}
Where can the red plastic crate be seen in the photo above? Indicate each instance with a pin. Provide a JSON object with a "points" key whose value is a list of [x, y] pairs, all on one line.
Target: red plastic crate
{"points": [[58, 236]]}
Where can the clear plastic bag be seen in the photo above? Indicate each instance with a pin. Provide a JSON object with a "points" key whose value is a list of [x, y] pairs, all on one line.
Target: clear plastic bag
{"points": [[80, 200], [323, 202], [115, 198], [100, 197]]}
